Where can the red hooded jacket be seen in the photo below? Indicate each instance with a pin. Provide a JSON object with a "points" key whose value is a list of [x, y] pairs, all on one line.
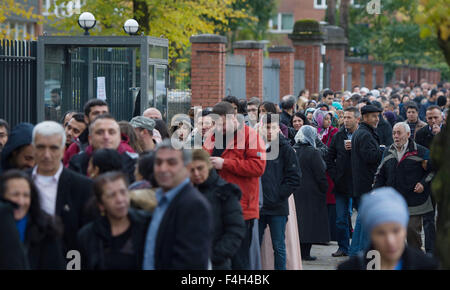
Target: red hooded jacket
{"points": [[243, 167], [74, 149]]}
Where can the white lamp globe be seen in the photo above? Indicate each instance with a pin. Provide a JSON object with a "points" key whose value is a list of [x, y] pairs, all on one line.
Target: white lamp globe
{"points": [[86, 20], [131, 26]]}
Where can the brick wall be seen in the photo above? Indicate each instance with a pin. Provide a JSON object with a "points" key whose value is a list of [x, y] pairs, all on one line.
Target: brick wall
{"points": [[253, 52], [335, 56], [207, 69], [310, 54]]}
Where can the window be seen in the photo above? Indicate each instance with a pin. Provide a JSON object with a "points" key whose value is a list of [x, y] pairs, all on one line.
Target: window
{"points": [[320, 4], [287, 21], [281, 23]]}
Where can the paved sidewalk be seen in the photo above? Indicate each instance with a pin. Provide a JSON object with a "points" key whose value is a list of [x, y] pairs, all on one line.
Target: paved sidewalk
{"points": [[324, 259]]}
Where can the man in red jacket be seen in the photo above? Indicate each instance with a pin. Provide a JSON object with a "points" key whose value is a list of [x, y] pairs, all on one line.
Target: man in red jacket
{"points": [[238, 154]]}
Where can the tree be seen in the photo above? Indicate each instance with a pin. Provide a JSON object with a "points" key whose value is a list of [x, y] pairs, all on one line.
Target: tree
{"points": [[433, 16], [344, 16], [10, 8], [331, 12], [256, 25], [392, 36], [440, 156], [174, 20]]}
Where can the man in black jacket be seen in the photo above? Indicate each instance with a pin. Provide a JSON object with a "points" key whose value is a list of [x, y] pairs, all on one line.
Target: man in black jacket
{"points": [[279, 181], [435, 122], [383, 129], [339, 167], [365, 157], [62, 192], [288, 107], [405, 167], [425, 137], [104, 133], [180, 233]]}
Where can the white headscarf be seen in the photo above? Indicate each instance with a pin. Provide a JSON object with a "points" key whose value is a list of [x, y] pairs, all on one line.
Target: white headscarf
{"points": [[307, 135]]}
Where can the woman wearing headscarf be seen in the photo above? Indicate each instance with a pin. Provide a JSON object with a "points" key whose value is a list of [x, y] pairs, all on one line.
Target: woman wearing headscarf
{"points": [[180, 130], [326, 132], [310, 197], [384, 213]]}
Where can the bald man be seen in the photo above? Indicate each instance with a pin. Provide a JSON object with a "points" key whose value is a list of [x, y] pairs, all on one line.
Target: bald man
{"points": [[152, 113]]}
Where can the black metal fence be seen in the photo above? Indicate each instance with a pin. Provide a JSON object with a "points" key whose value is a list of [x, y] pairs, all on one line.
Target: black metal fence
{"points": [[18, 81]]}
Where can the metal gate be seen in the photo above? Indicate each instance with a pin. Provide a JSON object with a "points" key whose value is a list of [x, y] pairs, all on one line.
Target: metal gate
{"points": [[18, 81], [72, 70], [271, 80], [362, 77], [374, 78], [299, 76], [235, 76], [349, 78]]}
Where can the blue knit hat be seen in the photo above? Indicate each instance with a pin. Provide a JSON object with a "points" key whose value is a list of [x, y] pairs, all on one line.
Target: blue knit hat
{"points": [[383, 205]]}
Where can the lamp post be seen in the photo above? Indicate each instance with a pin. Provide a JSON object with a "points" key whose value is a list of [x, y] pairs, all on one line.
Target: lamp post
{"points": [[87, 21], [131, 27]]}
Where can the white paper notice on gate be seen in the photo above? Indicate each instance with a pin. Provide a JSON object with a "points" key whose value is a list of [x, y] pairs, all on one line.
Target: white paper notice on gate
{"points": [[101, 88]]}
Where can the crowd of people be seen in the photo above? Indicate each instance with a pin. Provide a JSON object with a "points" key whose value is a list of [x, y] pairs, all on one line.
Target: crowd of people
{"points": [[210, 189]]}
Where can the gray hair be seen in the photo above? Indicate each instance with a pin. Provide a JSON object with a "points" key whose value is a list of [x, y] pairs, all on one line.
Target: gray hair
{"points": [[47, 129], [287, 102], [405, 126], [167, 144]]}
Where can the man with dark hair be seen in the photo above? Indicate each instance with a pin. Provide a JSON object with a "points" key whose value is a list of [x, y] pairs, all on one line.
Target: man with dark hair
{"points": [[104, 133], [432, 101], [18, 151], [339, 167], [435, 122], [383, 129], [412, 118], [355, 89], [328, 97], [238, 153], [74, 128], [288, 107], [366, 154], [252, 111], [180, 233], [4, 132], [280, 179], [53, 110], [355, 98], [425, 137], [92, 109], [233, 101]]}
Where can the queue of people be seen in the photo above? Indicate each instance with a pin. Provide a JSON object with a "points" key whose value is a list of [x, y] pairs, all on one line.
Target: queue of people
{"points": [[201, 194]]}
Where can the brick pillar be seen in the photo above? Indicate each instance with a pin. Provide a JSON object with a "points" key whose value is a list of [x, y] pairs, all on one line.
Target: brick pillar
{"points": [[208, 69], [335, 43], [254, 54], [307, 48], [286, 56]]}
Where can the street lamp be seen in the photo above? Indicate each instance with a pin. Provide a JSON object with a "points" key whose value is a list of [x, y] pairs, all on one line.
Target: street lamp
{"points": [[131, 26], [86, 21]]}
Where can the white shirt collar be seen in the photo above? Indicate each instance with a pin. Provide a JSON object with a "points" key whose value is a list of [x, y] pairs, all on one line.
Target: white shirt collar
{"points": [[55, 177]]}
